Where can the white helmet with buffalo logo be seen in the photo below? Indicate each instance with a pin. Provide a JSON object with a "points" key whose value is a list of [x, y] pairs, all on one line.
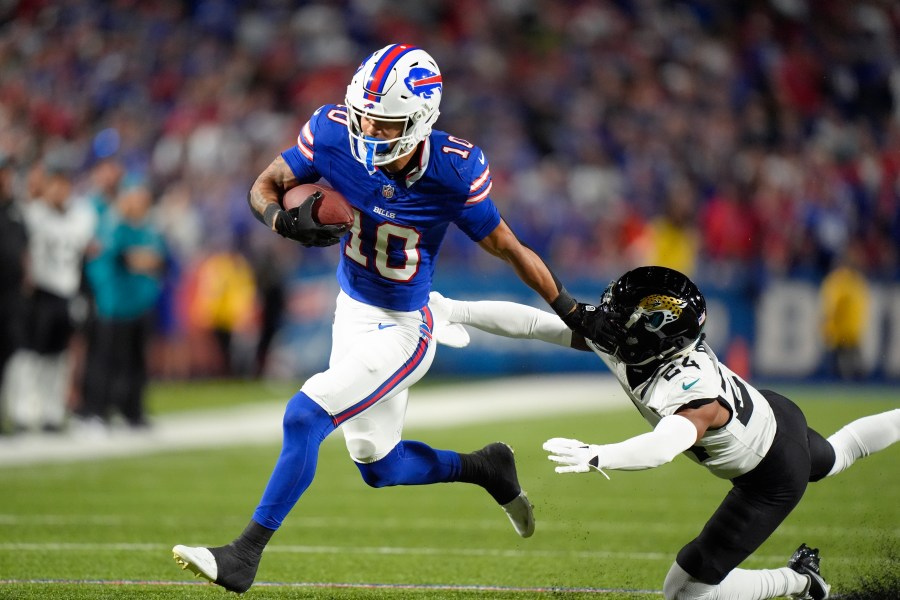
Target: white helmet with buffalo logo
{"points": [[398, 83]]}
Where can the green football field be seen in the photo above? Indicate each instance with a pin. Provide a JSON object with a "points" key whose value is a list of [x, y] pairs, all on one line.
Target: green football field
{"points": [[104, 528]]}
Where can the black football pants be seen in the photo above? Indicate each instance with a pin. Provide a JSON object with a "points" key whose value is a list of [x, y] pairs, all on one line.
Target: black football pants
{"points": [[115, 370], [761, 499]]}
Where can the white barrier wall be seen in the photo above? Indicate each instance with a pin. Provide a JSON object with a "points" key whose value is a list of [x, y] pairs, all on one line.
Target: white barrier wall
{"points": [[789, 333]]}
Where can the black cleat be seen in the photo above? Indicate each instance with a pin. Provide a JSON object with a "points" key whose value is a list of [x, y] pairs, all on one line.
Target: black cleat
{"points": [[498, 466], [806, 562], [224, 565], [498, 470]]}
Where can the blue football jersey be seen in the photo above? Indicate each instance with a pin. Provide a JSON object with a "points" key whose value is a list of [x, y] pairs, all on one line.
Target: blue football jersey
{"points": [[388, 256]]}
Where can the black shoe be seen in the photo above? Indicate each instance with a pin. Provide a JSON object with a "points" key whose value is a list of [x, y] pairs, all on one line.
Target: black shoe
{"points": [[496, 467], [806, 562], [224, 565], [498, 472]]}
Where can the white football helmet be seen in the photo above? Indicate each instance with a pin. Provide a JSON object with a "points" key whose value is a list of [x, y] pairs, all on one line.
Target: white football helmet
{"points": [[399, 83]]}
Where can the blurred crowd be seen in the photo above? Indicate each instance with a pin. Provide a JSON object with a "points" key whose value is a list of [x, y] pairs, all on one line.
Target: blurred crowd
{"points": [[736, 141]]}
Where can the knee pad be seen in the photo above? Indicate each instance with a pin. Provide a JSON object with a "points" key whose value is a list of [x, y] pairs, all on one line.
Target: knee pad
{"points": [[366, 439], [362, 450]]}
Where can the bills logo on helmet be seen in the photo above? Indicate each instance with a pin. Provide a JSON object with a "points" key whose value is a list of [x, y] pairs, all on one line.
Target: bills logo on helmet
{"points": [[423, 82]]}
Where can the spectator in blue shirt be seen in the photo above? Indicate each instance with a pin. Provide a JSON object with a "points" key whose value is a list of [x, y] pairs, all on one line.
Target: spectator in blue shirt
{"points": [[126, 279]]}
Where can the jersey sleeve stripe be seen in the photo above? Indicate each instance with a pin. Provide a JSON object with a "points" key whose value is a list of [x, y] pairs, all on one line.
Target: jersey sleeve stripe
{"points": [[478, 198], [306, 141], [480, 181]]}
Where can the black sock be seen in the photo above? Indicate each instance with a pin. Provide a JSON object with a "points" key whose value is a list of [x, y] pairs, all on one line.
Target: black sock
{"points": [[472, 469], [254, 538], [492, 469], [475, 469]]}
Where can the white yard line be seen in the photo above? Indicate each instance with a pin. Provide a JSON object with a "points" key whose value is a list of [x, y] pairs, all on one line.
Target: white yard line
{"points": [[349, 549], [425, 524], [260, 423], [331, 586]]}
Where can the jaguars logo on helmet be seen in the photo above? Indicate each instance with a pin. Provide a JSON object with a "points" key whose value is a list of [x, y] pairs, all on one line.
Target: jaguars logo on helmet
{"points": [[662, 314], [660, 311]]}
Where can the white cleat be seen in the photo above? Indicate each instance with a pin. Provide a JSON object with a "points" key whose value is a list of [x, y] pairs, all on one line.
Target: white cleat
{"points": [[199, 561], [521, 514]]}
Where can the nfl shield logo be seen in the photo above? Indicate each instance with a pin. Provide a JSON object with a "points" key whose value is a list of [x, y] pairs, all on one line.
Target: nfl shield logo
{"points": [[387, 191]]}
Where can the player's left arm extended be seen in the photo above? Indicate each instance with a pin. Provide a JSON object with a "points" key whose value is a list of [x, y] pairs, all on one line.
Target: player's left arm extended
{"points": [[504, 244], [581, 318], [672, 435], [507, 319]]}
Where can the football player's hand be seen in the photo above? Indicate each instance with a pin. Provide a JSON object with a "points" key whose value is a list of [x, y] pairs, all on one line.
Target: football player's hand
{"points": [[573, 456], [298, 224], [576, 320], [446, 331], [598, 324]]}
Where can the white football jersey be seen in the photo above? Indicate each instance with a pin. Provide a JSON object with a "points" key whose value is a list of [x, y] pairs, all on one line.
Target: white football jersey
{"points": [[695, 378], [57, 241]]}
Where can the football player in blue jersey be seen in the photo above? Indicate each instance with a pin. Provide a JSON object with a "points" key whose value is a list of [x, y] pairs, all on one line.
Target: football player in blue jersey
{"points": [[652, 342], [406, 183]]}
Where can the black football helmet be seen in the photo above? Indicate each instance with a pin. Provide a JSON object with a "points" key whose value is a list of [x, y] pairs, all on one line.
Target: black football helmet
{"points": [[659, 312]]}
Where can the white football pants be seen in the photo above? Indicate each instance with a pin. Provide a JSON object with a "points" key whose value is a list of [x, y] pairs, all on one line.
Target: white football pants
{"points": [[376, 354]]}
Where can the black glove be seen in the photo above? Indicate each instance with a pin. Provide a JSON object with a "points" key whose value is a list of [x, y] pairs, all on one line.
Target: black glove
{"points": [[579, 319], [298, 224], [602, 326], [598, 324]]}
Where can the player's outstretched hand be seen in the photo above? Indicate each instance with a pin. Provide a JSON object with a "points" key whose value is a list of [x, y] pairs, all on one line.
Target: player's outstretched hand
{"points": [[573, 456], [446, 331], [598, 324], [578, 319], [298, 224]]}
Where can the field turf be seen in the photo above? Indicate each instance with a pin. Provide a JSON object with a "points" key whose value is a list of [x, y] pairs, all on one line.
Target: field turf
{"points": [[104, 529]]}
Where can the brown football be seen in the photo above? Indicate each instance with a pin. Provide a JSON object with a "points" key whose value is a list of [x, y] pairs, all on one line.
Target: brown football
{"points": [[331, 209]]}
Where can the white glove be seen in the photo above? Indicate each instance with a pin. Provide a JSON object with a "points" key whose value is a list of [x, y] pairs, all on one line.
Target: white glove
{"points": [[573, 456], [446, 332]]}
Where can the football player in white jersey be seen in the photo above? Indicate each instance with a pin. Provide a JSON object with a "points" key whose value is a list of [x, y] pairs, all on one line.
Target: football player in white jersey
{"points": [[60, 228], [652, 341], [406, 184]]}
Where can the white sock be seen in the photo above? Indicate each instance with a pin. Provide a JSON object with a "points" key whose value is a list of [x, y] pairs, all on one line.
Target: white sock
{"points": [[740, 584], [864, 437], [55, 375], [23, 388]]}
